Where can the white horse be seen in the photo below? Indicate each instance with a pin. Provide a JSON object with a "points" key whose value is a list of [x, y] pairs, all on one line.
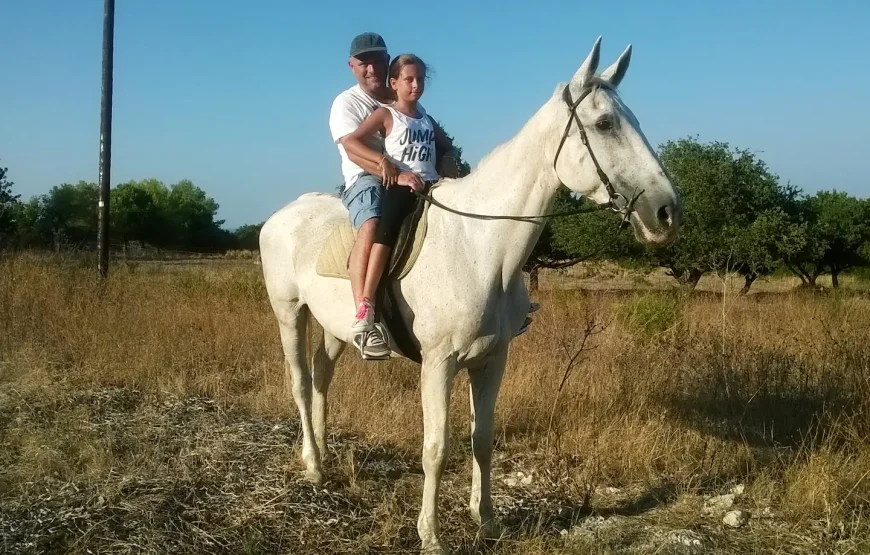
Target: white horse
{"points": [[465, 298]]}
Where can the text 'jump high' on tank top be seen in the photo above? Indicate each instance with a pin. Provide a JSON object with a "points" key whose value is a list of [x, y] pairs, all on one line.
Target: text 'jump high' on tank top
{"points": [[411, 144]]}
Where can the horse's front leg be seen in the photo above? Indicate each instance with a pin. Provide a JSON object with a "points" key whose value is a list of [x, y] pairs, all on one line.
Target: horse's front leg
{"points": [[484, 383], [435, 388]]}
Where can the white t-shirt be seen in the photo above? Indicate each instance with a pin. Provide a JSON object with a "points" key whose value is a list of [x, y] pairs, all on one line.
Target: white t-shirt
{"points": [[349, 110], [411, 144]]}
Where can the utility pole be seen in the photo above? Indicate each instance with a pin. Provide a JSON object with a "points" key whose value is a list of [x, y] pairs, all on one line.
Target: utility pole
{"points": [[106, 136]]}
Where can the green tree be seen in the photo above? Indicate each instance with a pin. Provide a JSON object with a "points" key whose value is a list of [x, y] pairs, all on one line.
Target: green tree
{"points": [[69, 213], [8, 208], [160, 230], [134, 213], [569, 240], [761, 246], [732, 204], [834, 236], [30, 229], [248, 236], [463, 167], [191, 214]]}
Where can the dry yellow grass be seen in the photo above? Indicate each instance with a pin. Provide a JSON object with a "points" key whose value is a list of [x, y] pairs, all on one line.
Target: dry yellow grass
{"points": [[165, 388]]}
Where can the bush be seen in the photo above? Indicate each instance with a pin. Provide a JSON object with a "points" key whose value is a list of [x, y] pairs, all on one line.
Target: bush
{"points": [[653, 315]]}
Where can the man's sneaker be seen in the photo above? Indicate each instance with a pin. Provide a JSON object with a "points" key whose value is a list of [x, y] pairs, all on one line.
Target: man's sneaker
{"points": [[371, 345], [533, 307], [366, 337]]}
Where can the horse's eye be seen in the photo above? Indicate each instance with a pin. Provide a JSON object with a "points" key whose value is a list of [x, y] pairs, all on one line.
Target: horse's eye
{"points": [[604, 124]]}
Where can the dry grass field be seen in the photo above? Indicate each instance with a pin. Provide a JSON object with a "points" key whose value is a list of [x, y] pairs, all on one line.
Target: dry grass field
{"points": [[150, 416]]}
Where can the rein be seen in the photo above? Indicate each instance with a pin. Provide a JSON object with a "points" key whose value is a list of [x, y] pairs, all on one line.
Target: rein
{"points": [[625, 209]]}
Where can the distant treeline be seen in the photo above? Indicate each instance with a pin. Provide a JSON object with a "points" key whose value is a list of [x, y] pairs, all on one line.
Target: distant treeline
{"points": [[178, 217]]}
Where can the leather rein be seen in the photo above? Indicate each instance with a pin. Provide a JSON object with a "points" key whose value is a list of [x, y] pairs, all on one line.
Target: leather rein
{"points": [[617, 203]]}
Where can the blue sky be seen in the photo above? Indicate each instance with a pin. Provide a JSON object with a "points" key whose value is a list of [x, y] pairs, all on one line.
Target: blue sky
{"points": [[235, 95]]}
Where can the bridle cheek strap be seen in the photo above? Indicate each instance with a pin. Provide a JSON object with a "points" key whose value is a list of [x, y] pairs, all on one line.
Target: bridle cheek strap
{"points": [[617, 203]]}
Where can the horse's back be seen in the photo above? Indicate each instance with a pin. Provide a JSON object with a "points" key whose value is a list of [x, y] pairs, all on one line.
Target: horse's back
{"points": [[291, 238]]}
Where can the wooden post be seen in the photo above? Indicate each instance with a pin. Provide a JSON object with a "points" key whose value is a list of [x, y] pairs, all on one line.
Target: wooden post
{"points": [[106, 137]]}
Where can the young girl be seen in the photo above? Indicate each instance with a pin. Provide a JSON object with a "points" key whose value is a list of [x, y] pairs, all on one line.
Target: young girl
{"points": [[411, 139]]}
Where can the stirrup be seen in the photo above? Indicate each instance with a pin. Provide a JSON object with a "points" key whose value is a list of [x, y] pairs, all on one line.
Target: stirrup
{"points": [[525, 327]]}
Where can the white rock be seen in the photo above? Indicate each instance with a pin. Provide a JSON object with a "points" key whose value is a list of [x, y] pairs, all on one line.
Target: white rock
{"points": [[718, 503], [738, 489], [767, 512], [527, 480], [736, 518], [608, 490], [510, 482], [684, 537]]}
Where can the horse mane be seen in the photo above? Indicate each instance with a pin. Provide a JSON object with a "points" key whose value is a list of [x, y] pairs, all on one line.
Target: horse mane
{"points": [[596, 83]]}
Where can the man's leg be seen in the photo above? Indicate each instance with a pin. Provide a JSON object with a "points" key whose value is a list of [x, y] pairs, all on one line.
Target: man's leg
{"points": [[378, 260], [359, 258], [363, 201]]}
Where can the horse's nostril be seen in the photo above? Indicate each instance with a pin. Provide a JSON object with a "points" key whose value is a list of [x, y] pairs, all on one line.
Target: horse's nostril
{"points": [[664, 216]]}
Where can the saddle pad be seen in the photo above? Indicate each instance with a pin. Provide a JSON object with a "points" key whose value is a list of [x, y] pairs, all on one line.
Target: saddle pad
{"points": [[333, 257]]}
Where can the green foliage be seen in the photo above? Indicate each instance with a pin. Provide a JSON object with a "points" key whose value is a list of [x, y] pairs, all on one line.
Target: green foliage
{"points": [[135, 215], [591, 234], [652, 315], [248, 236], [191, 215], [463, 166], [569, 240], [737, 218], [68, 214], [733, 211], [9, 206], [181, 216], [833, 236]]}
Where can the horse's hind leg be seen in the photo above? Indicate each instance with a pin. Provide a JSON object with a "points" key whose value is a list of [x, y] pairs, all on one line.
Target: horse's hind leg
{"points": [[484, 383], [322, 368], [293, 322]]}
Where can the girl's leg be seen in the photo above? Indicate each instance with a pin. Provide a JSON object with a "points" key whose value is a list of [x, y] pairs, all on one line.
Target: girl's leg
{"points": [[397, 203]]}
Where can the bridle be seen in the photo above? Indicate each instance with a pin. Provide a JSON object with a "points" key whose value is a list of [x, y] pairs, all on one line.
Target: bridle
{"points": [[613, 204], [617, 203]]}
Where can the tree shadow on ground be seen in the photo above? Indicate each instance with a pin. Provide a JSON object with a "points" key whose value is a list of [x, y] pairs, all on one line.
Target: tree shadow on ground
{"points": [[768, 398]]}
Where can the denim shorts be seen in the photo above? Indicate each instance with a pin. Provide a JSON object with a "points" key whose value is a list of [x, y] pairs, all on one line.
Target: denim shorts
{"points": [[363, 199]]}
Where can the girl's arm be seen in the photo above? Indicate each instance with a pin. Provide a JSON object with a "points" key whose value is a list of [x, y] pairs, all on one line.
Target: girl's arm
{"points": [[380, 121]]}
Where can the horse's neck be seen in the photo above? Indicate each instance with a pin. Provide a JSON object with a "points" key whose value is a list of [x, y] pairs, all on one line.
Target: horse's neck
{"points": [[516, 179]]}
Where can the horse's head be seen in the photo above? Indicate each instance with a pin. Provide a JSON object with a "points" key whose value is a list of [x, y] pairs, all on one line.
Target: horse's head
{"points": [[620, 149]]}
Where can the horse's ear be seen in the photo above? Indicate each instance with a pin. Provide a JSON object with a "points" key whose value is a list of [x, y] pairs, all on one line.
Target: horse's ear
{"points": [[616, 72], [590, 65]]}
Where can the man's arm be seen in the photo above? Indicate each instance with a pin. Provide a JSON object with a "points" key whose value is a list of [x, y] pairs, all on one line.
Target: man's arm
{"points": [[445, 160], [344, 119], [359, 152]]}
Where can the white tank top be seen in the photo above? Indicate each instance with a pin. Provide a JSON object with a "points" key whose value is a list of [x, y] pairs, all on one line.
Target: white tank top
{"points": [[411, 144]]}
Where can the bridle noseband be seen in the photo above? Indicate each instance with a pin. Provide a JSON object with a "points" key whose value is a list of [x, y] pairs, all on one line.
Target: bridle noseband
{"points": [[616, 198]]}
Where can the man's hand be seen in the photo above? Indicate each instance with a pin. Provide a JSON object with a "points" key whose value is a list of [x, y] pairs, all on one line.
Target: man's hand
{"points": [[389, 172], [412, 180]]}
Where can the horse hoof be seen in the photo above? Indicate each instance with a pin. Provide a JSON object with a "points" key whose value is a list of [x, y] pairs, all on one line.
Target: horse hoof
{"points": [[436, 549], [491, 530], [314, 476]]}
